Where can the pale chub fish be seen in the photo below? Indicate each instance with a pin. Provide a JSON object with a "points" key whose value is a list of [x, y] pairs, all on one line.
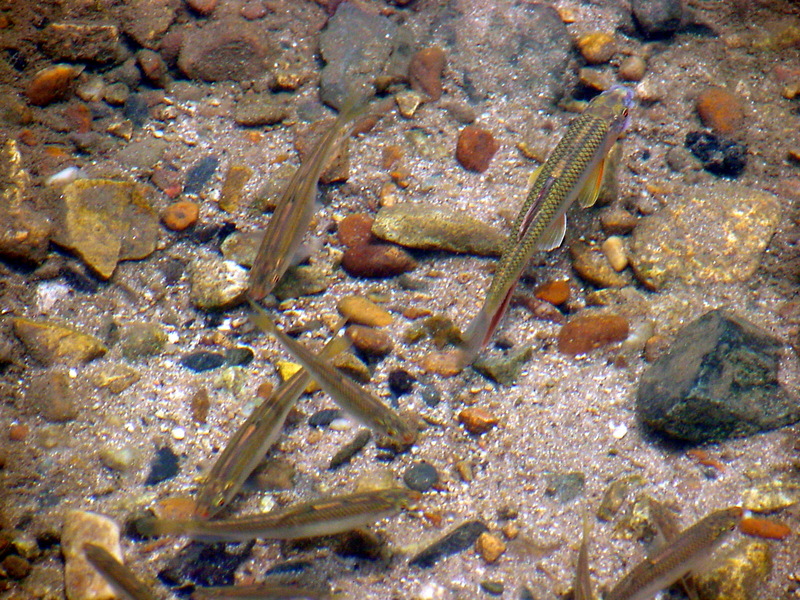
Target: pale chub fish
{"points": [[293, 213], [573, 171], [687, 552]]}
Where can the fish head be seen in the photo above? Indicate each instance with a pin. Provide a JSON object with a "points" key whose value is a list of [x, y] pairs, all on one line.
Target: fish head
{"points": [[614, 107]]}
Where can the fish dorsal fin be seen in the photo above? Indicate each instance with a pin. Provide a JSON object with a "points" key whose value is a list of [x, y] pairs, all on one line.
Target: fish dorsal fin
{"points": [[554, 234], [591, 189]]}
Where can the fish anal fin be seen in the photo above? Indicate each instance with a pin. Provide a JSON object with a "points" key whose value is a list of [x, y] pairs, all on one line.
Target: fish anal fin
{"points": [[591, 189], [554, 235]]}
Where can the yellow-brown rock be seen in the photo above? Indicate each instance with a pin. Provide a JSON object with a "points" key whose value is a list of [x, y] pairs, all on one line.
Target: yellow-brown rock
{"points": [[51, 84], [362, 311], [596, 47], [81, 580], [490, 547], [720, 109], [51, 344]]}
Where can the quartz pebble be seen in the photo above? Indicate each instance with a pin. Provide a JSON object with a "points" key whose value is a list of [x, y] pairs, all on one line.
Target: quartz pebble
{"points": [[490, 547], [614, 250], [588, 332], [217, 284], [81, 580], [477, 420], [475, 148]]}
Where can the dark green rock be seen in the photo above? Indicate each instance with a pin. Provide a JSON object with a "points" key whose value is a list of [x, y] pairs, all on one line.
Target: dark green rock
{"points": [[718, 380], [493, 588], [504, 368], [457, 540]]}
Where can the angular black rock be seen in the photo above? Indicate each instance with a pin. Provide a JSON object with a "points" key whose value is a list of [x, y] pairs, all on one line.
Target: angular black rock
{"points": [[719, 156], [457, 540], [718, 380], [164, 466], [204, 565], [401, 382]]}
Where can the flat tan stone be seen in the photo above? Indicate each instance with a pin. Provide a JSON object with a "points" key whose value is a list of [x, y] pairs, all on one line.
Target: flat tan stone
{"points": [[50, 343]]}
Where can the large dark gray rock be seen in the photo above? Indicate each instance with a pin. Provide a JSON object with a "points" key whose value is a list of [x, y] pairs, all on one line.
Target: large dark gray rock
{"points": [[718, 380], [657, 18]]}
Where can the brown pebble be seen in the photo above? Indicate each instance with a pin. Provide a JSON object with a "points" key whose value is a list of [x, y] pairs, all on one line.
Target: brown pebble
{"points": [[16, 567], [615, 220], [413, 313], [264, 390], [632, 68], [153, 67], [202, 7], [475, 148], [370, 341], [425, 71], [554, 292], [720, 109], [596, 47], [490, 547], [18, 432], [377, 260], [588, 332], [254, 10], [356, 230], [358, 309], [510, 530], [51, 84], [180, 215], [175, 507], [168, 181], [654, 347], [200, 405], [446, 364], [477, 420]]}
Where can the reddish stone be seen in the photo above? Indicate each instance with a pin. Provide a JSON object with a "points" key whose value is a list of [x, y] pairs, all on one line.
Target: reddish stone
{"points": [[554, 292], [425, 71], [181, 215], [356, 230], [168, 181], [720, 110], [475, 148], [254, 10], [51, 84], [377, 260], [202, 7], [153, 67], [588, 332]]}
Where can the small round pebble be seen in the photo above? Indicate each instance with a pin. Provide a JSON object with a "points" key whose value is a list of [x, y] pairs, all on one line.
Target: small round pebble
{"points": [[180, 215], [18, 432], [239, 356], [203, 7], [632, 68], [16, 567], [431, 395], [401, 382], [254, 10], [477, 420], [475, 148], [596, 47], [490, 547], [377, 260], [421, 476]]}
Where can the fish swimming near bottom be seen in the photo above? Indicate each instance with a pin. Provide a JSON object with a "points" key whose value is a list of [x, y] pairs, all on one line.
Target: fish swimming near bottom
{"points": [[573, 171], [119, 576], [687, 552], [324, 516]]}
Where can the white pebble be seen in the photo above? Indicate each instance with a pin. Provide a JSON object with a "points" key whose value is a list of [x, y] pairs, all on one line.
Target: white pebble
{"points": [[64, 177], [619, 431], [178, 433], [614, 250], [341, 424]]}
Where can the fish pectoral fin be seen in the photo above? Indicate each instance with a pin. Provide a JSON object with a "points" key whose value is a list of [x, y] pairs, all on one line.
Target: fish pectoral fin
{"points": [[534, 175], [591, 189], [554, 235]]}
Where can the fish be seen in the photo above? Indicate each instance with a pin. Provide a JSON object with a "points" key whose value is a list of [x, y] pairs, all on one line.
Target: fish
{"points": [[353, 399], [685, 553], [573, 171], [582, 586], [667, 528], [119, 576], [325, 516], [295, 208], [261, 591], [248, 445]]}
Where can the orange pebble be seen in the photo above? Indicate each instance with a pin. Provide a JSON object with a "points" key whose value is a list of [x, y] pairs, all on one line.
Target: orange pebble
{"points": [[554, 292], [177, 507], [27, 137], [180, 215], [18, 432], [764, 528], [703, 458]]}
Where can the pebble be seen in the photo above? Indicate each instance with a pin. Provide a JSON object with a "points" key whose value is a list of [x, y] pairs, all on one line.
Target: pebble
{"points": [[355, 230], [323, 418], [616, 494], [200, 173], [51, 84], [425, 71], [17, 432], [445, 364], [493, 588], [226, 49], [431, 395], [52, 396], [253, 9], [555, 292], [201, 403], [718, 380], [714, 234], [771, 496], [50, 343], [259, 109], [202, 360], [107, 221], [118, 459], [239, 356], [456, 540], [141, 339], [81, 580], [353, 447], [657, 18], [632, 68], [564, 487], [401, 382], [303, 280], [204, 565], [590, 262], [490, 547], [475, 148], [596, 47], [739, 575], [370, 341], [216, 284], [587, 332], [165, 466], [720, 109], [236, 178], [594, 79], [153, 67], [358, 309], [202, 7], [505, 368], [377, 260], [116, 94], [408, 101], [421, 476], [16, 567], [614, 249], [477, 420], [721, 157], [180, 215], [432, 227], [82, 42], [615, 220]]}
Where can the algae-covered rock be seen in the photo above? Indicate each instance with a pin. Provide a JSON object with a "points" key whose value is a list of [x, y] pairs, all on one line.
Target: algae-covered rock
{"points": [[504, 368], [430, 227], [107, 221], [304, 280], [140, 340], [739, 576], [50, 343]]}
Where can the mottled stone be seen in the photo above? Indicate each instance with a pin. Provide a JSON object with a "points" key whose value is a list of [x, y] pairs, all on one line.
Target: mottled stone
{"points": [[720, 156], [591, 264], [717, 234], [200, 173], [370, 341], [230, 196], [153, 67], [741, 574], [303, 280], [180, 215], [475, 148], [51, 344], [504, 368], [430, 227], [82, 42], [216, 284], [632, 68], [596, 47], [146, 21], [107, 221], [227, 49], [476, 420], [51, 395], [425, 71], [718, 380], [421, 476], [349, 364], [81, 580], [242, 247], [490, 547]]}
